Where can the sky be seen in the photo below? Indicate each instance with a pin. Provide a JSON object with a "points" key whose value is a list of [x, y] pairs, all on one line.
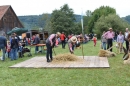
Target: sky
{"points": [[38, 7]]}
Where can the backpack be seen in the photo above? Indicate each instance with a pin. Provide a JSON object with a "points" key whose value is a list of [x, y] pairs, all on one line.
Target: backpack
{"points": [[14, 43]]}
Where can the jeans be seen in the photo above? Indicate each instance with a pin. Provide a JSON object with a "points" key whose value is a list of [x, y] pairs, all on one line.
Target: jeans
{"points": [[63, 43], [8, 54], [49, 51], [73, 47], [36, 49], [109, 44], [104, 45], [14, 54], [3, 53]]}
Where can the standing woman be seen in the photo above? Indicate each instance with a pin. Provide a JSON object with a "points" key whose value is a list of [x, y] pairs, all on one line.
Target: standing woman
{"points": [[71, 44], [104, 41], [120, 41], [50, 43]]}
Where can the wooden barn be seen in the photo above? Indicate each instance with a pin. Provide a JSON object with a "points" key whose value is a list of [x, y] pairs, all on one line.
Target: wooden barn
{"points": [[8, 19]]}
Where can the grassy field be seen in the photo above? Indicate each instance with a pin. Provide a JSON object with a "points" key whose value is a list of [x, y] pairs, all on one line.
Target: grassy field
{"points": [[117, 75]]}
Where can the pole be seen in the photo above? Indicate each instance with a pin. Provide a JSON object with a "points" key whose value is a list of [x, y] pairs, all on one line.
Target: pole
{"points": [[82, 33]]}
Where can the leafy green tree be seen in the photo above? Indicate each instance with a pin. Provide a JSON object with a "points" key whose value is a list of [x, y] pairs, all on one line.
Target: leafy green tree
{"points": [[103, 10], [43, 20], [112, 20], [88, 13], [48, 27], [127, 18], [86, 19], [63, 20]]}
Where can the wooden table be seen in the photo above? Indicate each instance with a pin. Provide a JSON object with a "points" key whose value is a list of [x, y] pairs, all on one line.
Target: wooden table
{"points": [[40, 45]]}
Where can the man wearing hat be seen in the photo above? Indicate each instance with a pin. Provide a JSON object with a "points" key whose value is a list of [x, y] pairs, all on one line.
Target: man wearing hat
{"points": [[71, 43], [50, 43], [109, 35]]}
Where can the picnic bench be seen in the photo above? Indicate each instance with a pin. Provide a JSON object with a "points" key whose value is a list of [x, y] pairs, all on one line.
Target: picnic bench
{"points": [[40, 45]]}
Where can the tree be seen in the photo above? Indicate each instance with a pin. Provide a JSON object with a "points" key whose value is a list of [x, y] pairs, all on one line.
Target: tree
{"points": [[88, 13], [112, 20], [86, 20], [63, 19], [103, 10], [43, 20]]}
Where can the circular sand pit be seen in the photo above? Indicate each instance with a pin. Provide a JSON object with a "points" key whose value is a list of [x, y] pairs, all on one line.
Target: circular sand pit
{"points": [[65, 58]]}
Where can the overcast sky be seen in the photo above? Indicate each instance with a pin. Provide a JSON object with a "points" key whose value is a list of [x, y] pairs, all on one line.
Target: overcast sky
{"points": [[37, 7]]}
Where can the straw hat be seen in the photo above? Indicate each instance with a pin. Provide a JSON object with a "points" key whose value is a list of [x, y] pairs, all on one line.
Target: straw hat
{"points": [[110, 28], [73, 39], [58, 33], [8, 41]]}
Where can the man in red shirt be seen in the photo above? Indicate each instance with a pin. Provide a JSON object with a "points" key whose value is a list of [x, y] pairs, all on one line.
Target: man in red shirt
{"points": [[63, 37]]}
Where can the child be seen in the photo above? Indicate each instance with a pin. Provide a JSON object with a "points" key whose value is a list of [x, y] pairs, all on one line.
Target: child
{"points": [[8, 48], [94, 40], [20, 49]]}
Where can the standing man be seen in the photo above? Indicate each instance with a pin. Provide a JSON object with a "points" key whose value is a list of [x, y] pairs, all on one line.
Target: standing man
{"points": [[63, 37], [109, 35], [126, 36], [3, 44], [14, 47], [36, 41], [50, 43], [16, 37]]}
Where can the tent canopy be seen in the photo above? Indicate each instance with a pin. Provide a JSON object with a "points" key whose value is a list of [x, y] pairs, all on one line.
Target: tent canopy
{"points": [[17, 30]]}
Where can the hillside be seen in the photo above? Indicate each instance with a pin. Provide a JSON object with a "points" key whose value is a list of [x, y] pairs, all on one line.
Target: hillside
{"points": [[34, 20]]}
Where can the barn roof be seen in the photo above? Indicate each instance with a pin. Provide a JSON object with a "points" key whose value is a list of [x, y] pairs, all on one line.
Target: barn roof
{"points": [[3, 10]]}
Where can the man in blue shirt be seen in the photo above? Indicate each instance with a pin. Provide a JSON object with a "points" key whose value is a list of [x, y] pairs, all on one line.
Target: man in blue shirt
{"points": [[3, 44]]}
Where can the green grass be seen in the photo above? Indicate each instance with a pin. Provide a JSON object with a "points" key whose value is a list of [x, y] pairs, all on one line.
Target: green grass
{"points": [[117, 75]]}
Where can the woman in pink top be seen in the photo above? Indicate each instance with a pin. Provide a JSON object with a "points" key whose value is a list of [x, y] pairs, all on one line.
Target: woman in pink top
{"points": [[50, 43]]}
